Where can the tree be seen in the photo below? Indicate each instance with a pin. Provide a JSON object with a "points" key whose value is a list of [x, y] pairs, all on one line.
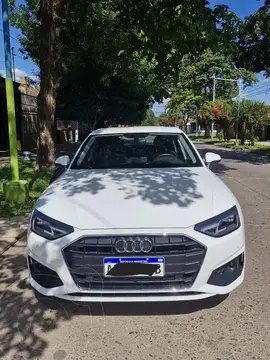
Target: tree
{"points": [[165, 120], [183, 105], [146, 39], [218, 112], [50, 72], [164, 31], [254, 41], [150, 118], [195, 83], [196, 75], [44, 45], [252, 114], [85, 98]]}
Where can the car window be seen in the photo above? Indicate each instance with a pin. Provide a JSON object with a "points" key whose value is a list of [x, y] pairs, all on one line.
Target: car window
{"points": [[138, 150]]}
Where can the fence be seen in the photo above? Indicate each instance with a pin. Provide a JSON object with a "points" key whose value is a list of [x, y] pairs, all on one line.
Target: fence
{"points": [[29, 121]]}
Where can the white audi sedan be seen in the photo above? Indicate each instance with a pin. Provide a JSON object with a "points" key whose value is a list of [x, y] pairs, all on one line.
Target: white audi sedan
{"points": [[136, 215]]}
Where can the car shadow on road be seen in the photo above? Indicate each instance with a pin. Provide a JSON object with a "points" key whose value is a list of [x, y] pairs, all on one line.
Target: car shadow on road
{"points": [[256, 157], [25, 321], [221, 168]]}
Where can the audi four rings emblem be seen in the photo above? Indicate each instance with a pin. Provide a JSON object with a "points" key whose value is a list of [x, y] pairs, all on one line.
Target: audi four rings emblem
{"points": [[133, 245]]}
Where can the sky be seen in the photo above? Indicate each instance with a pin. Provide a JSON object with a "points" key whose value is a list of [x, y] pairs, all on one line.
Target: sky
{"points": [[22, 67], [242, 8], [25, 67]]}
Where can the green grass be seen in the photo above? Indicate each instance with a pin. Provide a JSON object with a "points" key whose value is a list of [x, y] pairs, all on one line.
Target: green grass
{"points": [[202, 139], [38, 181], [261, 149], [207, 141]]}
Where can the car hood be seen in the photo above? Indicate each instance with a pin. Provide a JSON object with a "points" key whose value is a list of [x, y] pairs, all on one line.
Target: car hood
{"points": [[136, 198]]}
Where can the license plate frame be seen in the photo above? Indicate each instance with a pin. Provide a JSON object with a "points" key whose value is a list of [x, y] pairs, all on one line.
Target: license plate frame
{"points": [[143, 267]]}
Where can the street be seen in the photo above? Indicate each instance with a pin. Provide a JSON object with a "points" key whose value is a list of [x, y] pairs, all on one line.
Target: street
{"points": [[233, 327]]}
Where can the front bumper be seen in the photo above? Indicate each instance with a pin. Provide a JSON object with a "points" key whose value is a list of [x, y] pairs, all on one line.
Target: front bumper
{"points": [[208, 282]]}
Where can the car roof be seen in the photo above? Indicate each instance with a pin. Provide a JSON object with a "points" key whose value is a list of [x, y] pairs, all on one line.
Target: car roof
{"points": [[137, 129]]}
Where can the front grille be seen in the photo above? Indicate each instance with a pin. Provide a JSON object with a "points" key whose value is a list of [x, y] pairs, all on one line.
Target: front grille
{"points": [[183, 259]]}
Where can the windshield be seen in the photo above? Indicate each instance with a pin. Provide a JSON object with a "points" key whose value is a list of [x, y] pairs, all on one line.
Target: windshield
{"points": [[138, 150]]}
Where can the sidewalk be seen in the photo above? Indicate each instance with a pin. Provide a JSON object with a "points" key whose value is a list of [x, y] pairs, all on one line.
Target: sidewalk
{"points": [[264, 143], [4, 160], [11, 230]]}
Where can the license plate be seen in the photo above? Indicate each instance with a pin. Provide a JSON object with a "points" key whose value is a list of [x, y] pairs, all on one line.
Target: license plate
{"points": [[131, 267]]}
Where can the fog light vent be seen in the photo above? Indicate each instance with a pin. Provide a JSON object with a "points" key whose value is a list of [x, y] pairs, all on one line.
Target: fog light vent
{"points": [[228, 273], [43, 275]]}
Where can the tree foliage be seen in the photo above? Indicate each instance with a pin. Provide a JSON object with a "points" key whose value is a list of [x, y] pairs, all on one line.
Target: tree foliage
{"points": [[249, 117], [195, 85], [183, 105], [252, 116], [150, 119], [254, 41], [196, 75], [220, 113], [117, 56]]}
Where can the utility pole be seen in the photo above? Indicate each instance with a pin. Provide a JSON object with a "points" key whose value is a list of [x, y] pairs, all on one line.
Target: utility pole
{"points": [[13, 62], [239, 83], [214, 99], [214, 88], [15, 190]]}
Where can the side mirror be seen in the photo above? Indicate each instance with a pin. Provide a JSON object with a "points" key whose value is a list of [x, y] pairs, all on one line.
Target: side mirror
{"points": [[63, 160], [211, 158]]}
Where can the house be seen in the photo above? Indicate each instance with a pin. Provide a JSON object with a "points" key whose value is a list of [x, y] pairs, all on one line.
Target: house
{"points": [[4, 139], [26, 115]]}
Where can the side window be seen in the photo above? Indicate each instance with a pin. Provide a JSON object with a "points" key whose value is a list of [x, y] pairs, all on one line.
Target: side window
{"points": [[85, 151], [187, 152]]}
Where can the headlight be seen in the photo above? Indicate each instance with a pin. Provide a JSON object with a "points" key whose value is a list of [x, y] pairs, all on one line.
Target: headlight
{"points": [[49, 228], [220, 225]]}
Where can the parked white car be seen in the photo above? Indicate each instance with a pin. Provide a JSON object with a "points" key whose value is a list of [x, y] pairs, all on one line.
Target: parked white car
{"points": [[136, 215]]}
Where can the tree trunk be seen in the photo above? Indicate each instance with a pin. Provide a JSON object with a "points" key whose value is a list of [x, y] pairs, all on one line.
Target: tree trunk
{"points": [[243, 133], [252, 137], [50, 71], [207, 130], [263, 134]]}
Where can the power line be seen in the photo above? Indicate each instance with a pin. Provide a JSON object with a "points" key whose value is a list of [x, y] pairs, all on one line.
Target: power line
{"points": [[26, 60], [259, 87], [15, 33], [258, 91], [12, 37]]}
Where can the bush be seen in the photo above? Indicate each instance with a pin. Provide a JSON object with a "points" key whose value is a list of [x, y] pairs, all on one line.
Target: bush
{"points": [[220, 135], [256, 139]]}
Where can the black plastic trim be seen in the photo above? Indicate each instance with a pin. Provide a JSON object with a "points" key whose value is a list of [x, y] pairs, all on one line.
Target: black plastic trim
{"points": [[44, 276], [225, 275], [180, 293]]}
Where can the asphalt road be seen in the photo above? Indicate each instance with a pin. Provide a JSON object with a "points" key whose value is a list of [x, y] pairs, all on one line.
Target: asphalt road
{"points": [[236, 327]]}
